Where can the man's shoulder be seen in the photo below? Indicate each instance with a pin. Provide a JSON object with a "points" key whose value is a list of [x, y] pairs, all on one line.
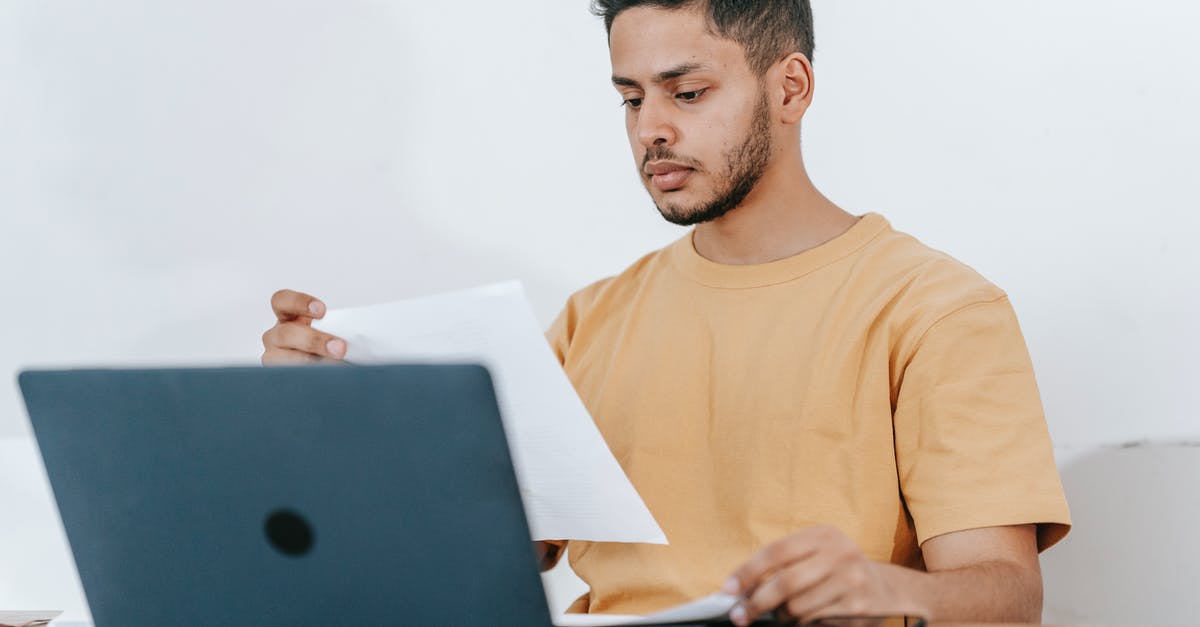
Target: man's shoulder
{"points": [[621, 286], [918, 286], [925, 277], [600, 301]]}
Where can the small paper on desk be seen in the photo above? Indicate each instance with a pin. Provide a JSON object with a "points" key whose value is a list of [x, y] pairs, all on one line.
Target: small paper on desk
{"points": [[572, 486], [713, 607], [27, 619]]}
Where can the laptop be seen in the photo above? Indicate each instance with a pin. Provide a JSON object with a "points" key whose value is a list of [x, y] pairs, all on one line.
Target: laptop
{"points": [[330, 495]]}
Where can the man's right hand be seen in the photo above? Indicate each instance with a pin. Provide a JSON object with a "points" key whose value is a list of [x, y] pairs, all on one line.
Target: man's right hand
{"points": [[293, 340]]}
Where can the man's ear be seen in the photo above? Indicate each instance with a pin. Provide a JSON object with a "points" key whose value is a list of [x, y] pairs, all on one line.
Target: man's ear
{"points": [[796, 82]]}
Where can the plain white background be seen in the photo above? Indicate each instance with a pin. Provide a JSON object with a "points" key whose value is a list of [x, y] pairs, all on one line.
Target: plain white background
{"points": [[164, 167]]}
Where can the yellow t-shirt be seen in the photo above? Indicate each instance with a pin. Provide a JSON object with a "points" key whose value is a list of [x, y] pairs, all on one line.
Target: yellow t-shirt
{"points": [[870, 383]]}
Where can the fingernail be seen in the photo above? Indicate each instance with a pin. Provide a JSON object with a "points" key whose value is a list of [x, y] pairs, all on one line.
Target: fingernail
{"points": [[738, 615], [337, 348], [316, 308], [731, 586]]}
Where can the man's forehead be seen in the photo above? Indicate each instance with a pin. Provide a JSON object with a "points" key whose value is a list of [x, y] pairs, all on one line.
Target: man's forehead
{"points": [[647, 43]]}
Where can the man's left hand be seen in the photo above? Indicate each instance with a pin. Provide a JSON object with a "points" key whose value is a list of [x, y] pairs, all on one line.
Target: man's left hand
{"points": [[812, 574]]}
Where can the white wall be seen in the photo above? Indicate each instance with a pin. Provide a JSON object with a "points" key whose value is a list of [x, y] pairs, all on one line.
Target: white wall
{"points": [[165, 166]]}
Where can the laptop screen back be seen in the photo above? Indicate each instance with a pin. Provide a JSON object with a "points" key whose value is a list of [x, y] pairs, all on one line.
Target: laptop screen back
{"points": [[285, 496]]}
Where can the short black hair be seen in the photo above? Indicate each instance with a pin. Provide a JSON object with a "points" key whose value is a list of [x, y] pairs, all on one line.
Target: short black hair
{"points": [[768, 30]]}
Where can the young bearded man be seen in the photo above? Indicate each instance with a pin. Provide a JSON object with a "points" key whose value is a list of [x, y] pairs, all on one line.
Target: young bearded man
{"points": [[825, 416]]}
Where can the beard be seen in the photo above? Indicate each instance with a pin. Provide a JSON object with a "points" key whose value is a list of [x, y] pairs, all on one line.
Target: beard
{"points": [[746, 164]]}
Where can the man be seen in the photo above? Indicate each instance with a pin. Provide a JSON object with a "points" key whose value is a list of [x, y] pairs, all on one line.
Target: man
{"points": [[826, 417]]}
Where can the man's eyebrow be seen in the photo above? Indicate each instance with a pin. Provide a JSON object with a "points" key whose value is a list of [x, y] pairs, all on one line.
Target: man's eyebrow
{"points": [[682, 69]]}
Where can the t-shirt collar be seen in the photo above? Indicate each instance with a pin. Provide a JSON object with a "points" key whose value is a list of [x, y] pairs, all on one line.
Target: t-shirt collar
{"points": [[683, 257]]}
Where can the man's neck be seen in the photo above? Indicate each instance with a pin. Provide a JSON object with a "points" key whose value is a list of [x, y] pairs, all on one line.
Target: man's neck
{"points": [[785, 215]]}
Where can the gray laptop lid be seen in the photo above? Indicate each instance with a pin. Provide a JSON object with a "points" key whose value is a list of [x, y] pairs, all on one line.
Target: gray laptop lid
{"points": [[285, 496]]}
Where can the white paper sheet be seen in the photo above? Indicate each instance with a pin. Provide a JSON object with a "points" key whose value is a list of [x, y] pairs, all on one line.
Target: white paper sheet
{"points": [[27, 619], [710, 608], [572, 486]]}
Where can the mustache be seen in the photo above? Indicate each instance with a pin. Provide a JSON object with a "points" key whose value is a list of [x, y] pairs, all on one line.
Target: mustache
{"points": [[662, 153]]}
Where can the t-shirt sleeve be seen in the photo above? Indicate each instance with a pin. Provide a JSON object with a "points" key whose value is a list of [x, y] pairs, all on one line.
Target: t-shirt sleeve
{"points": [[562, 330], [972, 446], [559, 336]]}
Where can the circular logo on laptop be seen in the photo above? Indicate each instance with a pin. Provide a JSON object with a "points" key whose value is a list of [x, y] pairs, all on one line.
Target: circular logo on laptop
{"points": [[289, 532]]}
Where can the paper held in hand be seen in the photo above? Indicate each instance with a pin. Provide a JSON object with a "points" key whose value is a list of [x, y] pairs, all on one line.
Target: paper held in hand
{"points": [[712, 608], [571, 485]]}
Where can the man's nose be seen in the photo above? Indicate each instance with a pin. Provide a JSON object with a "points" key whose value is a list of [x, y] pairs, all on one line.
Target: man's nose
{"points": [[654, 126]]}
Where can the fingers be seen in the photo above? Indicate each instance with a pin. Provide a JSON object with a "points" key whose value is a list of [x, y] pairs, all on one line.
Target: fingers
{"points": [[774, 556], [849, 613], [814, 573], [293, 340], [299, 336], [797, 582], [287, 357], [291, 305]]}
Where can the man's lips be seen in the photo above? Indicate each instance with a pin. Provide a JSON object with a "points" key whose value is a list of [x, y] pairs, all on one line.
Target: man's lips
{"points": [[668, 176]]}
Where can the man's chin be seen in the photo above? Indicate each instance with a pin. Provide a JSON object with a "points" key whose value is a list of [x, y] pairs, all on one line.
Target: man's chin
{"points": [[675, 207], [683, 217]]}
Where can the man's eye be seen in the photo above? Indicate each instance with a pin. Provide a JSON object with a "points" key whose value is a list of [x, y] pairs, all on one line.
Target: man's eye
{"points": [[631, 103], [689, 96]]}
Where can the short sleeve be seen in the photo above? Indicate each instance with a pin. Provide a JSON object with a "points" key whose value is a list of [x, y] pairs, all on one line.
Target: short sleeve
{"points": [[559, 337], [563, 329], [972, 446]]}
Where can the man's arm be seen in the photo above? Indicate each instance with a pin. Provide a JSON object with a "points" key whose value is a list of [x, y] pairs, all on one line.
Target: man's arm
{"points": [[986, 575]]}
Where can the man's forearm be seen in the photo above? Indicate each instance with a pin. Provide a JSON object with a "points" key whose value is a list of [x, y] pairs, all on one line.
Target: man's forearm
{"points": [[987, 592]]}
